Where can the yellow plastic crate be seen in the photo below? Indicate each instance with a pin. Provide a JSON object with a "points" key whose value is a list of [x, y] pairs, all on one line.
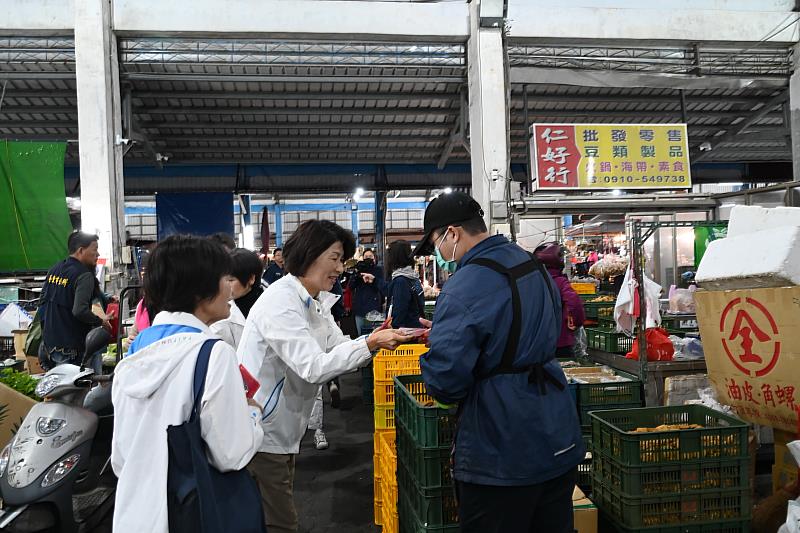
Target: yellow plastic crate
{"points": [[388, 461], [384, 417], [378, 513], [404, 360], [584, 288]]}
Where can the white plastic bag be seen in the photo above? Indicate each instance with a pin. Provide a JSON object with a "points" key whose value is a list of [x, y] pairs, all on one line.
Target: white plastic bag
{"points": [[581, 344], [625, 311]]}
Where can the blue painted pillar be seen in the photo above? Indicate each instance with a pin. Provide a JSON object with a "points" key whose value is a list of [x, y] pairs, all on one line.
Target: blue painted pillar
{"points": [[278, 226]]}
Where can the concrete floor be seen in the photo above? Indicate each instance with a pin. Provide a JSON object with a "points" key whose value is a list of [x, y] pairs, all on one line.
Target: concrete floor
{"points": [[333, 488]]}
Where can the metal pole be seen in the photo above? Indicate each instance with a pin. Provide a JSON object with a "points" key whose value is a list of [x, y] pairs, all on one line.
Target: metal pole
{"points": [[641, 322]]}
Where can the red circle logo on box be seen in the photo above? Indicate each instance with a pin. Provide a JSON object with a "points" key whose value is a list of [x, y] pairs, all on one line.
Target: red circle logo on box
{"points": [[750, 337]]}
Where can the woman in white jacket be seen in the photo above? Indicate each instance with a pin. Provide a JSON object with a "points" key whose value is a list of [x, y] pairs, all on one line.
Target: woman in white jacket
{"points": [[246, 288], [292, 345], [188, 279]]}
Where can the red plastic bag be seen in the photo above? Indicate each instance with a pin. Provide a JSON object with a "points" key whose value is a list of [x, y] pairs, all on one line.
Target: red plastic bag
{"points": [[659, 347]]}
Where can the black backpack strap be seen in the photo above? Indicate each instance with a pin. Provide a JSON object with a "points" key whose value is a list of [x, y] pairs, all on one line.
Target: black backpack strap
{"points": [[200, 371], [536, 373]]}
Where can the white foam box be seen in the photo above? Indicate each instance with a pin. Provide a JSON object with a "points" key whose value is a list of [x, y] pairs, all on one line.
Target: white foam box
{"points": [[748, 219], [761, 259]]}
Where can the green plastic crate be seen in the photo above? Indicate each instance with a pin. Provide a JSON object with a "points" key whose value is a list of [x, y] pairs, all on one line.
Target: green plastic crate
{"points": [[709, 474], [686, 323], [598, 395], [722, 436], [585, 475], [607, 340], [428, 467], [409, 523], [696, 508], [586, 419], [735, 526], [432, 507], [429, 427], [595, 310]]}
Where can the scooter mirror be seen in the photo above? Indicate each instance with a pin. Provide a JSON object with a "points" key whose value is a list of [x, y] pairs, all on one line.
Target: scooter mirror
{"points": [[96, 339]]}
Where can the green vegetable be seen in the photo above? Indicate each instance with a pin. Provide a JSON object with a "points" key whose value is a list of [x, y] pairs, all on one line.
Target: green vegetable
{"points": [[20, 382]]}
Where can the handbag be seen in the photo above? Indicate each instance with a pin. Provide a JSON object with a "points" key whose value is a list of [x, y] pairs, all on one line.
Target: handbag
{"points": [[201, 499]]}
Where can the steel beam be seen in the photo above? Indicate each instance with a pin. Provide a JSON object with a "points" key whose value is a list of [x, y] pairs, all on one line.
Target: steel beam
{"points": [[749, 119], [298, 111], [143, 76]]}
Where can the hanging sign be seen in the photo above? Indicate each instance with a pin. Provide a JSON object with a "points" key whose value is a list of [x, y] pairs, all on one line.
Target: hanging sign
{"points": [[609, 156]]}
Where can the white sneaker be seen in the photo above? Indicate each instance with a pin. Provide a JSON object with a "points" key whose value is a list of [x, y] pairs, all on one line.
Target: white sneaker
{"points": [[320, 441]]}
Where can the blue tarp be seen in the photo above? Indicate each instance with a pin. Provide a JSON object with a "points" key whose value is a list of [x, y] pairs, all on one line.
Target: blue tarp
{"points": [[194, 213]]}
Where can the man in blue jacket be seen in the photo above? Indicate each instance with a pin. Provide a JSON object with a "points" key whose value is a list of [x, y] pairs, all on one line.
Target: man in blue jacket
{"points": [[274, 271], [492, 352]]}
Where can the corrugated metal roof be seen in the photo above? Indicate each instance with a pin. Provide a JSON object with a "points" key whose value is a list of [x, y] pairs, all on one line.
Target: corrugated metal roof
{"points": [[210, 100]]}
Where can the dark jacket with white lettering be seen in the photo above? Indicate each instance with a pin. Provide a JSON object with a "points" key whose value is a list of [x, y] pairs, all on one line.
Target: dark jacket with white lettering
{"points": [[65, 325], [509, 433]]}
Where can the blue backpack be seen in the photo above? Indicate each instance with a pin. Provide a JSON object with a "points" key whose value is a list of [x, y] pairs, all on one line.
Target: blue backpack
{"points": [[200, 499]]}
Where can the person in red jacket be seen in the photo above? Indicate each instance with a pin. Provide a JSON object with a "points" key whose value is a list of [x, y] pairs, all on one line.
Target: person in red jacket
{"points": [[552, 256]]}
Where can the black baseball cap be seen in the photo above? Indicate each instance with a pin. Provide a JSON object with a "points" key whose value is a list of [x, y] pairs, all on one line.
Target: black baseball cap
{"points": [[447, 210]]}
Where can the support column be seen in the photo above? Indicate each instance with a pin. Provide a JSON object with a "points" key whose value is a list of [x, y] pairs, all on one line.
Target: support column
{"points": [[380, 226], [488, 118], [99, 125], [794, 113], [354, 221], [278, 225], [248, 239]]}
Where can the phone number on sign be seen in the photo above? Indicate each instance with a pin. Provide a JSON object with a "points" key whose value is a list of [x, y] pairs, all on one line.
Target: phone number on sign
{"points": [[636, 180]]}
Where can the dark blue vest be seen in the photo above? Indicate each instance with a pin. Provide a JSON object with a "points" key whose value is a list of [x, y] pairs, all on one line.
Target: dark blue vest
{"points": [[61, 328]]}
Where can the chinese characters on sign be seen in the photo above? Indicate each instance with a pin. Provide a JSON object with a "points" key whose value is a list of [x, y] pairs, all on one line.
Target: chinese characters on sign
{"points": [[610, 156], [752, 350]]}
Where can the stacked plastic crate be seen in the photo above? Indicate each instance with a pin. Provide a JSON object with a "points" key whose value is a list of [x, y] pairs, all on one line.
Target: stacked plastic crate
{"points": [[671, 470], [426, 497], [385, 366], [600, 396]]}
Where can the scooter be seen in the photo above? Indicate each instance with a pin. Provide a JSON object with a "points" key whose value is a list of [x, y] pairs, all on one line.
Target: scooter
{"points": [[55, 475]]}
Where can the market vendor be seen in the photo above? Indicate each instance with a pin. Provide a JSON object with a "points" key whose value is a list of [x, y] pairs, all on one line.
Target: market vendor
{"points": [[492, 352]]}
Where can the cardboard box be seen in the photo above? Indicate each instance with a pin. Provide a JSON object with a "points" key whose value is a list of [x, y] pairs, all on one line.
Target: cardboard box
{"points": [[584, 512], [32, 365], [13, 409], [751, 340]]}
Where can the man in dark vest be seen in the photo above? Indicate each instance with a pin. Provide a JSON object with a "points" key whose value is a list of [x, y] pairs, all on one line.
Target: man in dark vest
{"points": [[66, 303]]}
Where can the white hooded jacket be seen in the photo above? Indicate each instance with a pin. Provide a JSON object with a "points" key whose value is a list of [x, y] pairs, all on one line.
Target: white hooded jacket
{"points": [[230, 330], [153, 390], [292, 345]]}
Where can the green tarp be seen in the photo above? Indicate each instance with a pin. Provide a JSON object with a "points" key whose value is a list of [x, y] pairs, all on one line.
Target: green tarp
{"points": [[34, 221]]}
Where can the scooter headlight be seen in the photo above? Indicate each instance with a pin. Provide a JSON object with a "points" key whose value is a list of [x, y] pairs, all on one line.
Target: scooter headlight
{"points": [[46, 385], [60, 470], [47, 426], [4, 455]]}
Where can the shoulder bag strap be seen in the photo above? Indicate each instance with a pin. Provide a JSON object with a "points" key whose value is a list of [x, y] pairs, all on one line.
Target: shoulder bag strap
{"points": [[200, 371]]}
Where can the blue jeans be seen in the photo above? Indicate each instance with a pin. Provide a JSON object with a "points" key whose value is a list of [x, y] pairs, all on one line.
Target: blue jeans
{"points": [[50, 358]]}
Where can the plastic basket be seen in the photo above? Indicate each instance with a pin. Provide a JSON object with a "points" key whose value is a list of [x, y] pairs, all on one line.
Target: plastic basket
{"points": [[432, 507], [597, 395], [592, 309], [585, 475], [722, 436], [608, 340], [697, 508], [384, 417], [378, 513], [429, 427], [429, 467], [584, 287], [586, 419], [672, 479], [409, 523], [7, 346], [737, 526], [388, 470]]}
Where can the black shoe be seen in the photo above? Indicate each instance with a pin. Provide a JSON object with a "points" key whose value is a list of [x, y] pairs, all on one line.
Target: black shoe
{"points": [[336, 397]]}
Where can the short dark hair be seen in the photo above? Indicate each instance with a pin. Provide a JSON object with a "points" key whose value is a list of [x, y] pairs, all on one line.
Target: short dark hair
{"points": [[310, 240], [224, 239], [399, 256], [246, 264], [473, 226], [368, 250], [79, 239], [276, 250], [183, 271]]}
